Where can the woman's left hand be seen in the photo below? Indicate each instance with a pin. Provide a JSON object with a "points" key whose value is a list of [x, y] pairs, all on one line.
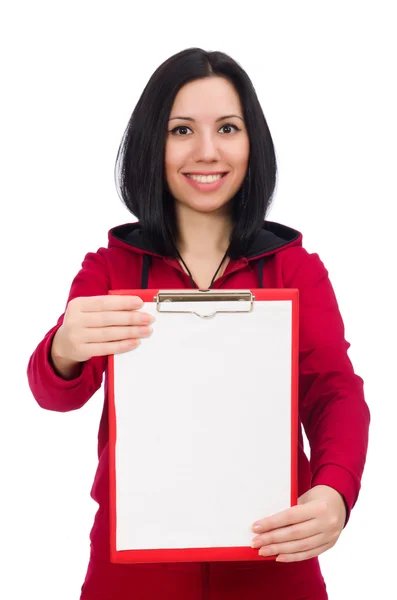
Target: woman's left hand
{"points": [[305, 530]]}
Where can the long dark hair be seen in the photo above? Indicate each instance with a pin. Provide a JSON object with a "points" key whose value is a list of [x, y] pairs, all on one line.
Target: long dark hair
{"points": [[139, 169]]}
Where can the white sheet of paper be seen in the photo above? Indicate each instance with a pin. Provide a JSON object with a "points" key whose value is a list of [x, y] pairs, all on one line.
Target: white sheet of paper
{"points": [[203, 418]]}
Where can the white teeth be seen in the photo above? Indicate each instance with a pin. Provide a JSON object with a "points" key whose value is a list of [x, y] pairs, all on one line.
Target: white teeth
{"points": [[204, 178]]}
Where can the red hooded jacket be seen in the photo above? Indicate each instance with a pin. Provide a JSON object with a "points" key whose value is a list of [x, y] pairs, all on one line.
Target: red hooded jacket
{"points": [[332, 410]]}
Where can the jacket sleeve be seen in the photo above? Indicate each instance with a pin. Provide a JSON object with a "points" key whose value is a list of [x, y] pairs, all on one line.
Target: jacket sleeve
{"points": [[51, 391], [332, 406]]}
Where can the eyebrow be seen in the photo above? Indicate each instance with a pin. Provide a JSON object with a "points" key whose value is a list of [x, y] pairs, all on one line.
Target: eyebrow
{"points": [[216, 120]]}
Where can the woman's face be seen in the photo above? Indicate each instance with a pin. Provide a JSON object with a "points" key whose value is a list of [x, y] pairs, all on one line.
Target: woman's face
{"points": [[207, 145]]}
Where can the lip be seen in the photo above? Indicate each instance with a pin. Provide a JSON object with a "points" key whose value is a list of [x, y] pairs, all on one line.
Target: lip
{"points": [[207, 187]]}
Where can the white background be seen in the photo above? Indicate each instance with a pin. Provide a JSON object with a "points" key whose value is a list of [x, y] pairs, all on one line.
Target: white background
{"points": [[71, 75]]}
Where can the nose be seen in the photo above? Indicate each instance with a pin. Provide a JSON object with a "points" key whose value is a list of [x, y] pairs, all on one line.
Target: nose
{"points": [[207, 148]]}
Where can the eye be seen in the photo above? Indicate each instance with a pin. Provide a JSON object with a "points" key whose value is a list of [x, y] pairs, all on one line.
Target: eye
{"points": [[229, 127], [180, 130]]}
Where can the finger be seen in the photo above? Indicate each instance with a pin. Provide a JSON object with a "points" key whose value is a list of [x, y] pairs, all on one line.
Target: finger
{"points": [[111, 302], [286, 534], [295, 514], [113, 347], [297, 546], [116, 317], [298, 556], [115, 334]]}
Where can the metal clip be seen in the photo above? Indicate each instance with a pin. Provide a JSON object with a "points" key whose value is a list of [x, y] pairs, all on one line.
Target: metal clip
{"points": [[241, 301]]}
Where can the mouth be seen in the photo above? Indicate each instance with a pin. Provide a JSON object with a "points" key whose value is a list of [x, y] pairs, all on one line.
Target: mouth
{"points": [[205, 177], [206, 182]]}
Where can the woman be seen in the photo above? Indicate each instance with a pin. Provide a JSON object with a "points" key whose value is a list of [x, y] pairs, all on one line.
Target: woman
{"points": [[197, 167]]}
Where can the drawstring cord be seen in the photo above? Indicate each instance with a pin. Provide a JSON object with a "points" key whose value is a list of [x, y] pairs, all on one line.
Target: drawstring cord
{"points": [[147, 259]]}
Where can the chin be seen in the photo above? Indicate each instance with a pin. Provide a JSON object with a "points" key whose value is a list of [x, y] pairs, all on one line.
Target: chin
{"points": [[205, 205]]}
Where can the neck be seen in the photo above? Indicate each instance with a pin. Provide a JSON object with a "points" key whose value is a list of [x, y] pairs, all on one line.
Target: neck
{"points": [[203, 235]]}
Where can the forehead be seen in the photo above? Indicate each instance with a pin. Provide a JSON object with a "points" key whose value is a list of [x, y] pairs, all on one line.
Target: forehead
{"points": [[207, 98]]}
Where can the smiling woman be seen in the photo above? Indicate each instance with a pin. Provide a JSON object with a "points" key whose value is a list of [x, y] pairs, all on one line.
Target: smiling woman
{"points": [[191, 157], [197, 166], [207, 120]]}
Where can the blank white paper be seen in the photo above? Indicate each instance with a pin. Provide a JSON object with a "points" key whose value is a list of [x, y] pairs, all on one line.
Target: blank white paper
{"points": [[203, 419]]}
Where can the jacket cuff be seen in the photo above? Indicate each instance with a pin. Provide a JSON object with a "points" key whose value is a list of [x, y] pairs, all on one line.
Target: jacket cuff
{"points": [[340, 480]]}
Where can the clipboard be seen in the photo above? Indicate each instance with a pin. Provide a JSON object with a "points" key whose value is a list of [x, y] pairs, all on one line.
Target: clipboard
{"points": [[203, 425]]}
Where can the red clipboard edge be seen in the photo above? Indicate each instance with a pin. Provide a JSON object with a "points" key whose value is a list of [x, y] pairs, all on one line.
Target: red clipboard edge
{"points": [[294, 396], [243, 553]]}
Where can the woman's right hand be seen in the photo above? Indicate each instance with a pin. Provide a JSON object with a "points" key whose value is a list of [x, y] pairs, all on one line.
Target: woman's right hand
{"points": [[99, 326]]}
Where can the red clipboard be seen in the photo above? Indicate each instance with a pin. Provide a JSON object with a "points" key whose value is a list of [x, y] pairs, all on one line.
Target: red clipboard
{"points": [[266, 322]]}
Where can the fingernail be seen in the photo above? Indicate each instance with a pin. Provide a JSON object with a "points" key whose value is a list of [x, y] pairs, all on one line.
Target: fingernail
{"points": [[145, 318], [256, 528], [145, 331]]}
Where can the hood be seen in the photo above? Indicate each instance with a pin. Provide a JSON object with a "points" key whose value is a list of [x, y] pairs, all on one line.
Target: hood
{"points": [[272, 238]]}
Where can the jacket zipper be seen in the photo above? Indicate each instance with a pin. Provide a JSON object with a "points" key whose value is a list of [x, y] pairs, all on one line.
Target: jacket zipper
{"points": [[205, 581]]}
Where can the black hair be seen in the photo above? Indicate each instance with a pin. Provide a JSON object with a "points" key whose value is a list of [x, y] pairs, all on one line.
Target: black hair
{"points": [[139, 169]]}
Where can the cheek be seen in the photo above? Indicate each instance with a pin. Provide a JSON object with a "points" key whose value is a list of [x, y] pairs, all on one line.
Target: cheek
{"points": [[175, 157], [170, 166], [239, 160], [239, 156]]}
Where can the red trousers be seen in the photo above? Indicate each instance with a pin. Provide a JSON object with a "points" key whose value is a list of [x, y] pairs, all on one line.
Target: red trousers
{"points": [[204, 581]]}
